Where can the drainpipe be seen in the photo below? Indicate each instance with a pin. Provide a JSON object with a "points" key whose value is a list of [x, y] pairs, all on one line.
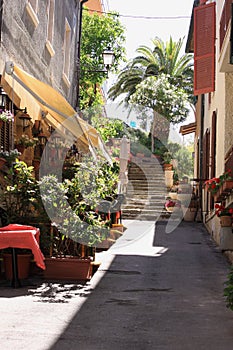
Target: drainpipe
{"points": [[79, 33], [201, 150]]}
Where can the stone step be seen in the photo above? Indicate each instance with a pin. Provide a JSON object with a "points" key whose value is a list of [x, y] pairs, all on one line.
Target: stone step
{"points": [[157, 204], [143, 202], [144, 193], [144, 160], [138, 211], [145, 187], [147, 216], [151, 180]]}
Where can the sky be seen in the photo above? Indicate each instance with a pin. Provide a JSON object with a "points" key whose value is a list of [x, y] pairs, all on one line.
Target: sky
{"points": [[140, 31]]}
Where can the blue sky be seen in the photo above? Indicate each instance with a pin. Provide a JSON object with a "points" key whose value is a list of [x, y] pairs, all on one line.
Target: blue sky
{"points": [[140, 31]]}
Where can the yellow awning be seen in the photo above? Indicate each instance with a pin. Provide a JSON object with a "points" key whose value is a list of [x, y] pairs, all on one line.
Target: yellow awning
{"points": [[53, 104]]}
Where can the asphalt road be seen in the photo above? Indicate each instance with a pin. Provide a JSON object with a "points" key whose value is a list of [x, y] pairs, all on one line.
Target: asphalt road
{"points": [[154, 290]]}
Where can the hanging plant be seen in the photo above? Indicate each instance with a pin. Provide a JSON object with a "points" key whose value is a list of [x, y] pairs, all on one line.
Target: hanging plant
{"points": [[6, 116]]}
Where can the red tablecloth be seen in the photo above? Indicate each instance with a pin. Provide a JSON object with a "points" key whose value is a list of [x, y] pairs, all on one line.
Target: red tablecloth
{"points": [[25, 237]]}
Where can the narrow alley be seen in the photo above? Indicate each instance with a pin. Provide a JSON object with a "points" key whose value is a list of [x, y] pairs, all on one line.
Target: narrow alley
{"points": [[153, 290]]}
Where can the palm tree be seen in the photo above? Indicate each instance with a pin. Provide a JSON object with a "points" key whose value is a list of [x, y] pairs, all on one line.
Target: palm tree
{"points": [[163, 58]]}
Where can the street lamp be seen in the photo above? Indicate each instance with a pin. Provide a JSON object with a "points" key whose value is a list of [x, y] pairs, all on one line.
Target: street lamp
{"points": [[108, 57]]}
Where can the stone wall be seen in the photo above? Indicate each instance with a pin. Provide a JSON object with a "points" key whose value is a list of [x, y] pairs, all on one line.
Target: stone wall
{"points": [[25, 44]]}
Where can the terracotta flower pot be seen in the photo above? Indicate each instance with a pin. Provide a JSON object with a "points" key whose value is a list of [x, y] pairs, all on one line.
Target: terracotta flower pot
{"points": [[23, 261], [167, 166], [2, 162], [20, 148], [225, 221], [68, 268]]}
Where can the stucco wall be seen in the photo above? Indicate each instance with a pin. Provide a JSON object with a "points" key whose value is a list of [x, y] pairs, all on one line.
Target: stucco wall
{"points": [[229, 112]]}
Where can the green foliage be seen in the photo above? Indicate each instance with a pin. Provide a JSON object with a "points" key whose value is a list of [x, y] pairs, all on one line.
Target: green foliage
{"points": [[116, 128], [183, 155], [20, 196], [228, 290], [73, 202], [163, 58], [98, 33], [158, 94], [10, 156], [92, 184], [70, 204], [108, 128]]}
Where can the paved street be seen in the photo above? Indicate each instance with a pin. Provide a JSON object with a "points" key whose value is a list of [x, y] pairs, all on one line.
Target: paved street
{"points": [[154, 290]]}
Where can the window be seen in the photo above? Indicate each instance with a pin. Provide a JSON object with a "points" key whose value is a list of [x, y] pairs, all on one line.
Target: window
{"points": [[67, 44], [6, 130], [50, 29], [32, 8]]}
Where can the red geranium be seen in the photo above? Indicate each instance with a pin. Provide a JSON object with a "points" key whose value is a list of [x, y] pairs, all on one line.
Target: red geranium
{"points": [[221, 210]]}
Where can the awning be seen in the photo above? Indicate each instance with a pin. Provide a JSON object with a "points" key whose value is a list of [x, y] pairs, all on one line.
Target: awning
{"points": [[188, 129], [52, 103]]}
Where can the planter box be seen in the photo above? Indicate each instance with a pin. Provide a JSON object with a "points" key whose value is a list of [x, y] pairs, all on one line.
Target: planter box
{"points": [[69, 268], [227, 187], [225, 221], [23, 262], [226, 238]]}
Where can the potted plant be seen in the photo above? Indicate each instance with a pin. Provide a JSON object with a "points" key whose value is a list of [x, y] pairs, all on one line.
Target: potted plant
{"points": [[73, 232], [21, 201], [171, 205], [225, 215], [10, 156], [24, 142], [5, 116], [24, 257], [167, 158]]}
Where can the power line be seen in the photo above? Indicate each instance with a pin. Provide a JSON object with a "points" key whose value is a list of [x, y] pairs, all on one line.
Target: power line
{"points": [[139, 17]]}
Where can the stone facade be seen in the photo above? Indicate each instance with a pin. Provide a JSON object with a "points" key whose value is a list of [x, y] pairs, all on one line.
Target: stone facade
{"points": [[24, 42]]}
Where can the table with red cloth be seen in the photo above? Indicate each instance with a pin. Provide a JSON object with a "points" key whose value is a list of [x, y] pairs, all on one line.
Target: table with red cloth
{"points": [[25, 237]]}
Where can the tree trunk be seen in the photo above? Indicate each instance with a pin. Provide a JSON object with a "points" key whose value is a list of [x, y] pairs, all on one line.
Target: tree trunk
{"points": [[160, 129]]}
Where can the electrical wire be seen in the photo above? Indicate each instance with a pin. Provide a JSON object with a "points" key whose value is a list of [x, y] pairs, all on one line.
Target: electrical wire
{"points": [[138, 17]]}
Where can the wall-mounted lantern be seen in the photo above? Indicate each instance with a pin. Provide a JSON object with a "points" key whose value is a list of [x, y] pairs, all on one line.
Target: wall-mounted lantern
{"points": [[42, 138], [25, 117]]}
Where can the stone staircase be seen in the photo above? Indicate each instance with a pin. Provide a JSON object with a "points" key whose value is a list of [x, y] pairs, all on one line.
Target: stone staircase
{"points": [[146, 191]]}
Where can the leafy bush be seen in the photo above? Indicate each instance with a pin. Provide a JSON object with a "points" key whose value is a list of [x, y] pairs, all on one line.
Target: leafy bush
{"points": [[228, 291]]}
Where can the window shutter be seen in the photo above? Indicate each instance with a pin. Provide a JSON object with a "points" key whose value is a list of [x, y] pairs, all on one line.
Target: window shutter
{"points": [[206, 154], [204, 49]]}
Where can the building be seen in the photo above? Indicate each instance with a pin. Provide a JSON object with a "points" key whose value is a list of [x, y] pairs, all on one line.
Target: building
{"points": [[210, 39], [41, 40]]}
